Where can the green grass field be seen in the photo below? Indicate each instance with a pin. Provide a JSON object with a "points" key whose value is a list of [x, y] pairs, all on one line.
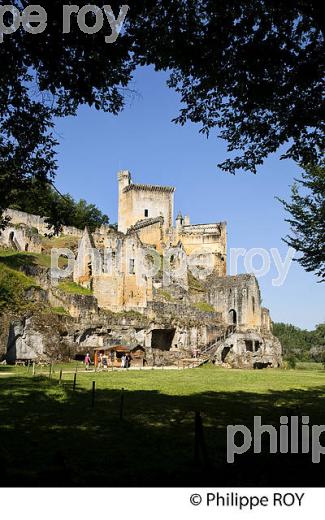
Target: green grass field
{"points": [[50, 435]]}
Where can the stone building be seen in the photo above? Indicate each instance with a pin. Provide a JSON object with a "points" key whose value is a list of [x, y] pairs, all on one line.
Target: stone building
{"points": [[116, 264], [129, 269], [159, 284]]}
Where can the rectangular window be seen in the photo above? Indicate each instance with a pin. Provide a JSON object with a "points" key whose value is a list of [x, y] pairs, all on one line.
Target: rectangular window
{"points": [[249, 345], [132, 266], [146, 213]]}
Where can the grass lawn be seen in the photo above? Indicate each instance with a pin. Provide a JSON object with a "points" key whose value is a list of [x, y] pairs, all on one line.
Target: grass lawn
{"points": [[74, 288], [63, 241], [50, 435], [13, 285]]}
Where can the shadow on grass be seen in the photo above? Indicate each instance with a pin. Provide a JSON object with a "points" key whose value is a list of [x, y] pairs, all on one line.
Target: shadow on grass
{"points": [[51, 436]]}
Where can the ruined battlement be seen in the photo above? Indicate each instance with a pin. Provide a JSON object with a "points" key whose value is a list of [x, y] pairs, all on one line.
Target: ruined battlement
{"points": [[205, 228], [149, 187]]}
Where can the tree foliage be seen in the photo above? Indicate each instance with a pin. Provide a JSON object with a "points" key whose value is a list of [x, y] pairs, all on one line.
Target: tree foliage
{"points": [[253, 71], [46, 76], [301, 344], [250, 70], [307, 219], [59, 209]]}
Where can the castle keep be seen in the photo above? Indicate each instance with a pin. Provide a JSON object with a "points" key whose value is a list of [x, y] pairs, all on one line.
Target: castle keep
{"points": [[119, 270], [158, 284]]}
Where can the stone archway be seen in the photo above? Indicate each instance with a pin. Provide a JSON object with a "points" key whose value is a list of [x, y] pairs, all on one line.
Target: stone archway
{"points": [[232, 317], [12, 240]]}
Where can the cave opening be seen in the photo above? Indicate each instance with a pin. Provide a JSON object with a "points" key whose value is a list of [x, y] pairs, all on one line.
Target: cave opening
{"points": [[162, 338]]}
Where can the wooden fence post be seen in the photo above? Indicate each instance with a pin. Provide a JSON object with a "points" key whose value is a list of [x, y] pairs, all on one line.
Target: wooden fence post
{"points": [[197, 437], [60, 376], [93, 395], [74, 381], [199, 441], [122, 405], [33, 368]]}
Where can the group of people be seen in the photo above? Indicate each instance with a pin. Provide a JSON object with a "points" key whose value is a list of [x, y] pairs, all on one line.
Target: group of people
{"points": [[104, 362], [125, 361]]}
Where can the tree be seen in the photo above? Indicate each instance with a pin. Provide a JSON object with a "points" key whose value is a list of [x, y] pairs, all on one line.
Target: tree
{"points": [[307, 219], [301, 344], [318, 336], [295, 341], [251, 70], [45, 76], [88, 215], [59, 209]]}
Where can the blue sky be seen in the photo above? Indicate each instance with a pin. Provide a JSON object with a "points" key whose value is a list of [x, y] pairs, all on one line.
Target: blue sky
{"points": [[94, 146]]}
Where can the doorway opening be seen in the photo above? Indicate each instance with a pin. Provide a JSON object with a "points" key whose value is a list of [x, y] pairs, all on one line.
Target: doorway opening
{"points": [[232, 317], [162, 338], [225, 353]]}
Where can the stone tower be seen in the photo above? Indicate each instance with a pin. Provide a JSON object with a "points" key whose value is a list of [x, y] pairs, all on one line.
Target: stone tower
{"points": [[124, 180], [143, 203]]}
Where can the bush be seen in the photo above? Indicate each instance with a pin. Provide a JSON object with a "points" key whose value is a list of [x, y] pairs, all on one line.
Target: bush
{"points": [[291, 361], [204, 307]]}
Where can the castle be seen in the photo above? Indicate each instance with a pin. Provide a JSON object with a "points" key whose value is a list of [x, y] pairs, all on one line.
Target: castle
{"points": [[173, 275], [146, 225]]}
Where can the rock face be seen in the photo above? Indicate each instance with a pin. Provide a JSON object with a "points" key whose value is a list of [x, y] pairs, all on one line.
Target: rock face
{"points": [[169, 334], [38, 338], [168, 331], [249, 350]]}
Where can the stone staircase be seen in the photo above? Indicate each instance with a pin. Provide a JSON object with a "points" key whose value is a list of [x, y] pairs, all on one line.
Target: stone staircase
{"points": [[208, 352]]}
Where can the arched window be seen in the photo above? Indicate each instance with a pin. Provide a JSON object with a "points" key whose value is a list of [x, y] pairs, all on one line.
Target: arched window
{"points": [[232, 317]]}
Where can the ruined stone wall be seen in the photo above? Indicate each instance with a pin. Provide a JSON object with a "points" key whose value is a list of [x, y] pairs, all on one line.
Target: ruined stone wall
{"points": [[109, 291], [266, 322], [250, 350], [151, 233], [116, 278], [21, 238], [83, 266], [37, 222], [237, 298], [205, 239]]}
